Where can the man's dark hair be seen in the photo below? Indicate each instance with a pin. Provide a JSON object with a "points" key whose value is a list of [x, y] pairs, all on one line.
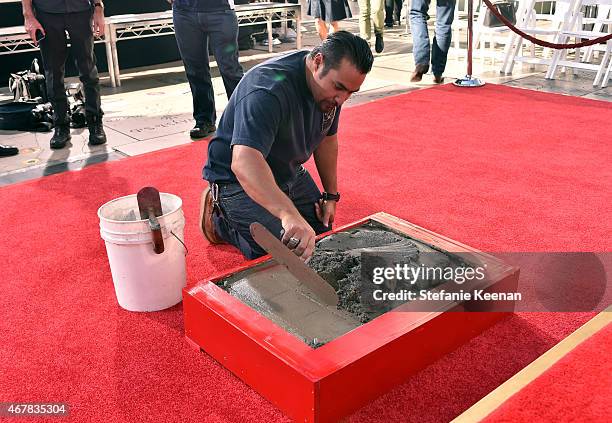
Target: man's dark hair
{"points": [[344, 45]]}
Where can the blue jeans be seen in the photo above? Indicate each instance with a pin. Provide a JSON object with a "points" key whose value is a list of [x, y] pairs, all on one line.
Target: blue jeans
{"points": [[238, 211], [193, 31], [445, 12]]}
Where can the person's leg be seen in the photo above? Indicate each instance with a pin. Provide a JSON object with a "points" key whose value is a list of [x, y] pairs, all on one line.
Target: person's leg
{"points": [[79, 26], [223, 30], [192, 42], [397, 14], [321, 28], [378, 15], [389, 13], [420, 36], [445, 12], [53, 50], [378, 20], [237, 213], [334, 27], [365, 27]]}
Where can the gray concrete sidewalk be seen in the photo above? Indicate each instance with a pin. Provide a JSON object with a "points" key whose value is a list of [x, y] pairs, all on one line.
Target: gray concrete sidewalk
{"points": [[152, 109]]}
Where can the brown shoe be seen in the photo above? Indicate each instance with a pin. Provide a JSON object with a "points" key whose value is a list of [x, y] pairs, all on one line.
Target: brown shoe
{"points": [[438, 79], [206, 218], [419, 71]]}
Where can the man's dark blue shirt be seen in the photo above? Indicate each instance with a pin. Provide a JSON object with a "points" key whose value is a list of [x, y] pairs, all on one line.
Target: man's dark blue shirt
{"points": [[273, 111]]}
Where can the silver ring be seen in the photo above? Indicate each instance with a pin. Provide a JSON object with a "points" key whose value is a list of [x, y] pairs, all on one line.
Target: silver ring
{"points": [[293, 242]]}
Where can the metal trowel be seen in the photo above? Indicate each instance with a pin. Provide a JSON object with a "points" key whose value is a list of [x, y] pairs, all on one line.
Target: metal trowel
{"points": [[149, 205], [323, 291]]}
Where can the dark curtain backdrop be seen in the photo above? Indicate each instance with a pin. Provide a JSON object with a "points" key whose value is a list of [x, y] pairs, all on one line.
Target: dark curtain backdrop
{"points": [[132, 53]]}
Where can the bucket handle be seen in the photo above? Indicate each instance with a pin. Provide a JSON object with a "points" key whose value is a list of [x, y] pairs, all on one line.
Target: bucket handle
{"points": [[181, 241], [158, 239]]}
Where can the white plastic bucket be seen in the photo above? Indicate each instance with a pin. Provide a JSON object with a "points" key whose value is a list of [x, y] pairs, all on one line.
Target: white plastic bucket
{"points": [[144, 280]]}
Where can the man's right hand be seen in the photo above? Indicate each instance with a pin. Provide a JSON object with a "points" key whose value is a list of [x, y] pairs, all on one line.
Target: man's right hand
{"points": [[296, 227], [32, 25], [257, 180]]}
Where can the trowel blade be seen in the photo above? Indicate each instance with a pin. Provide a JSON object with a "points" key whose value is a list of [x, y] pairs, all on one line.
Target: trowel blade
{"points": [[149, 202], [284, 256]]}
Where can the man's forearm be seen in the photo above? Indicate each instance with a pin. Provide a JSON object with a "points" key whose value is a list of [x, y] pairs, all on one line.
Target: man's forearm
{"points": [[326, 159], [26, 6], [256, 178]]}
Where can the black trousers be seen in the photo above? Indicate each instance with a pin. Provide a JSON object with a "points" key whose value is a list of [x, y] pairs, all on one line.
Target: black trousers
{"points": [[54, 51], [392, 15]]}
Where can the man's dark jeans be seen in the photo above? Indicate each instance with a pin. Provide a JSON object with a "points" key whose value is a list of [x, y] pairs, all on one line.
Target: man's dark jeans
{"points": [[393, 15], [238, 211], [54, 51], [193, 31]]}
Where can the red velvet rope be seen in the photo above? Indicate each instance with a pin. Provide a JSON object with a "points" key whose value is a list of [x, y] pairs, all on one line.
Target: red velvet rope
{"points": [[539, 42]]}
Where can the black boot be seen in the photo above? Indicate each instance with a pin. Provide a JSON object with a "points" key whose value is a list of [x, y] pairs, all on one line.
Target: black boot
{"points": [[8, 150], [96, 130], [61, 136], [202, 130], [379, 45]]}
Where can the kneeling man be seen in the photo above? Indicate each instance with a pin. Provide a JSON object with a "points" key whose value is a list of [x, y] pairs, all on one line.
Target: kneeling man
{"points": [[282, 112]]}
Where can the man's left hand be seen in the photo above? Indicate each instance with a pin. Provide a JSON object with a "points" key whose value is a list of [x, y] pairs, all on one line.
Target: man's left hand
{"points": [[98, 22], [326, 211]]}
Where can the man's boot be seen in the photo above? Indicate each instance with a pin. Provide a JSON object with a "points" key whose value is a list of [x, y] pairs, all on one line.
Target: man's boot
{"points": [[419, 71], [61, 136], [379, 45], [202, 130], [96, 130], [8, 150]]}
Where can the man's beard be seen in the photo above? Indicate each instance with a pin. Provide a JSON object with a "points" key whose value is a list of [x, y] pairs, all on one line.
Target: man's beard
{"points": [[327, 106]]}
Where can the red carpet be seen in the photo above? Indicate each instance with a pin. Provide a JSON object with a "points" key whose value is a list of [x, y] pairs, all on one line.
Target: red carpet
{"points": [[578, 388], [497, 168]]}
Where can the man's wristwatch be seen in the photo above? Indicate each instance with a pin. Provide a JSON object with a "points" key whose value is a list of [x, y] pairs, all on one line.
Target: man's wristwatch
{"points": [[326, 196]]}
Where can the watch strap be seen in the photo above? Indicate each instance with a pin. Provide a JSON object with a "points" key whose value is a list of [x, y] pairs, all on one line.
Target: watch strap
{"points": [[326, 196]]}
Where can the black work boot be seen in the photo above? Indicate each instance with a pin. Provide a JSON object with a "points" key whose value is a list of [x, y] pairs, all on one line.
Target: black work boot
{"points": [[202, 130], [96, 130], [379, 45], [61, 136], [8, 150]]}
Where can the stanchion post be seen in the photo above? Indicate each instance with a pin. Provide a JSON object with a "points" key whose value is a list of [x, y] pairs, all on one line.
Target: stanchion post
{"points": [[469, 80]]}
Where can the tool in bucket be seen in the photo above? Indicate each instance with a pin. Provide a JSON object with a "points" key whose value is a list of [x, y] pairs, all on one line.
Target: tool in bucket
{"points": [[150, 208]]}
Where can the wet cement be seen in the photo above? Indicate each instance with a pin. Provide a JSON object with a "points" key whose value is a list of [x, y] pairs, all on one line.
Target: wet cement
{"points": [[272, 291], [338, 260]]}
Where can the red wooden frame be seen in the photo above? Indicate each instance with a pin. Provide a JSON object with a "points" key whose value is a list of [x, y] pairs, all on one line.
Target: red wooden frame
{"points": [[330, 382]]}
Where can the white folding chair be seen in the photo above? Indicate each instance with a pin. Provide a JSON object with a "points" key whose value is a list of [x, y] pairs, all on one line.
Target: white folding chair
{"points": [[578, 32], [494, 35], [599, 25], [607, 59], [460, 23], [562, 19]]}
